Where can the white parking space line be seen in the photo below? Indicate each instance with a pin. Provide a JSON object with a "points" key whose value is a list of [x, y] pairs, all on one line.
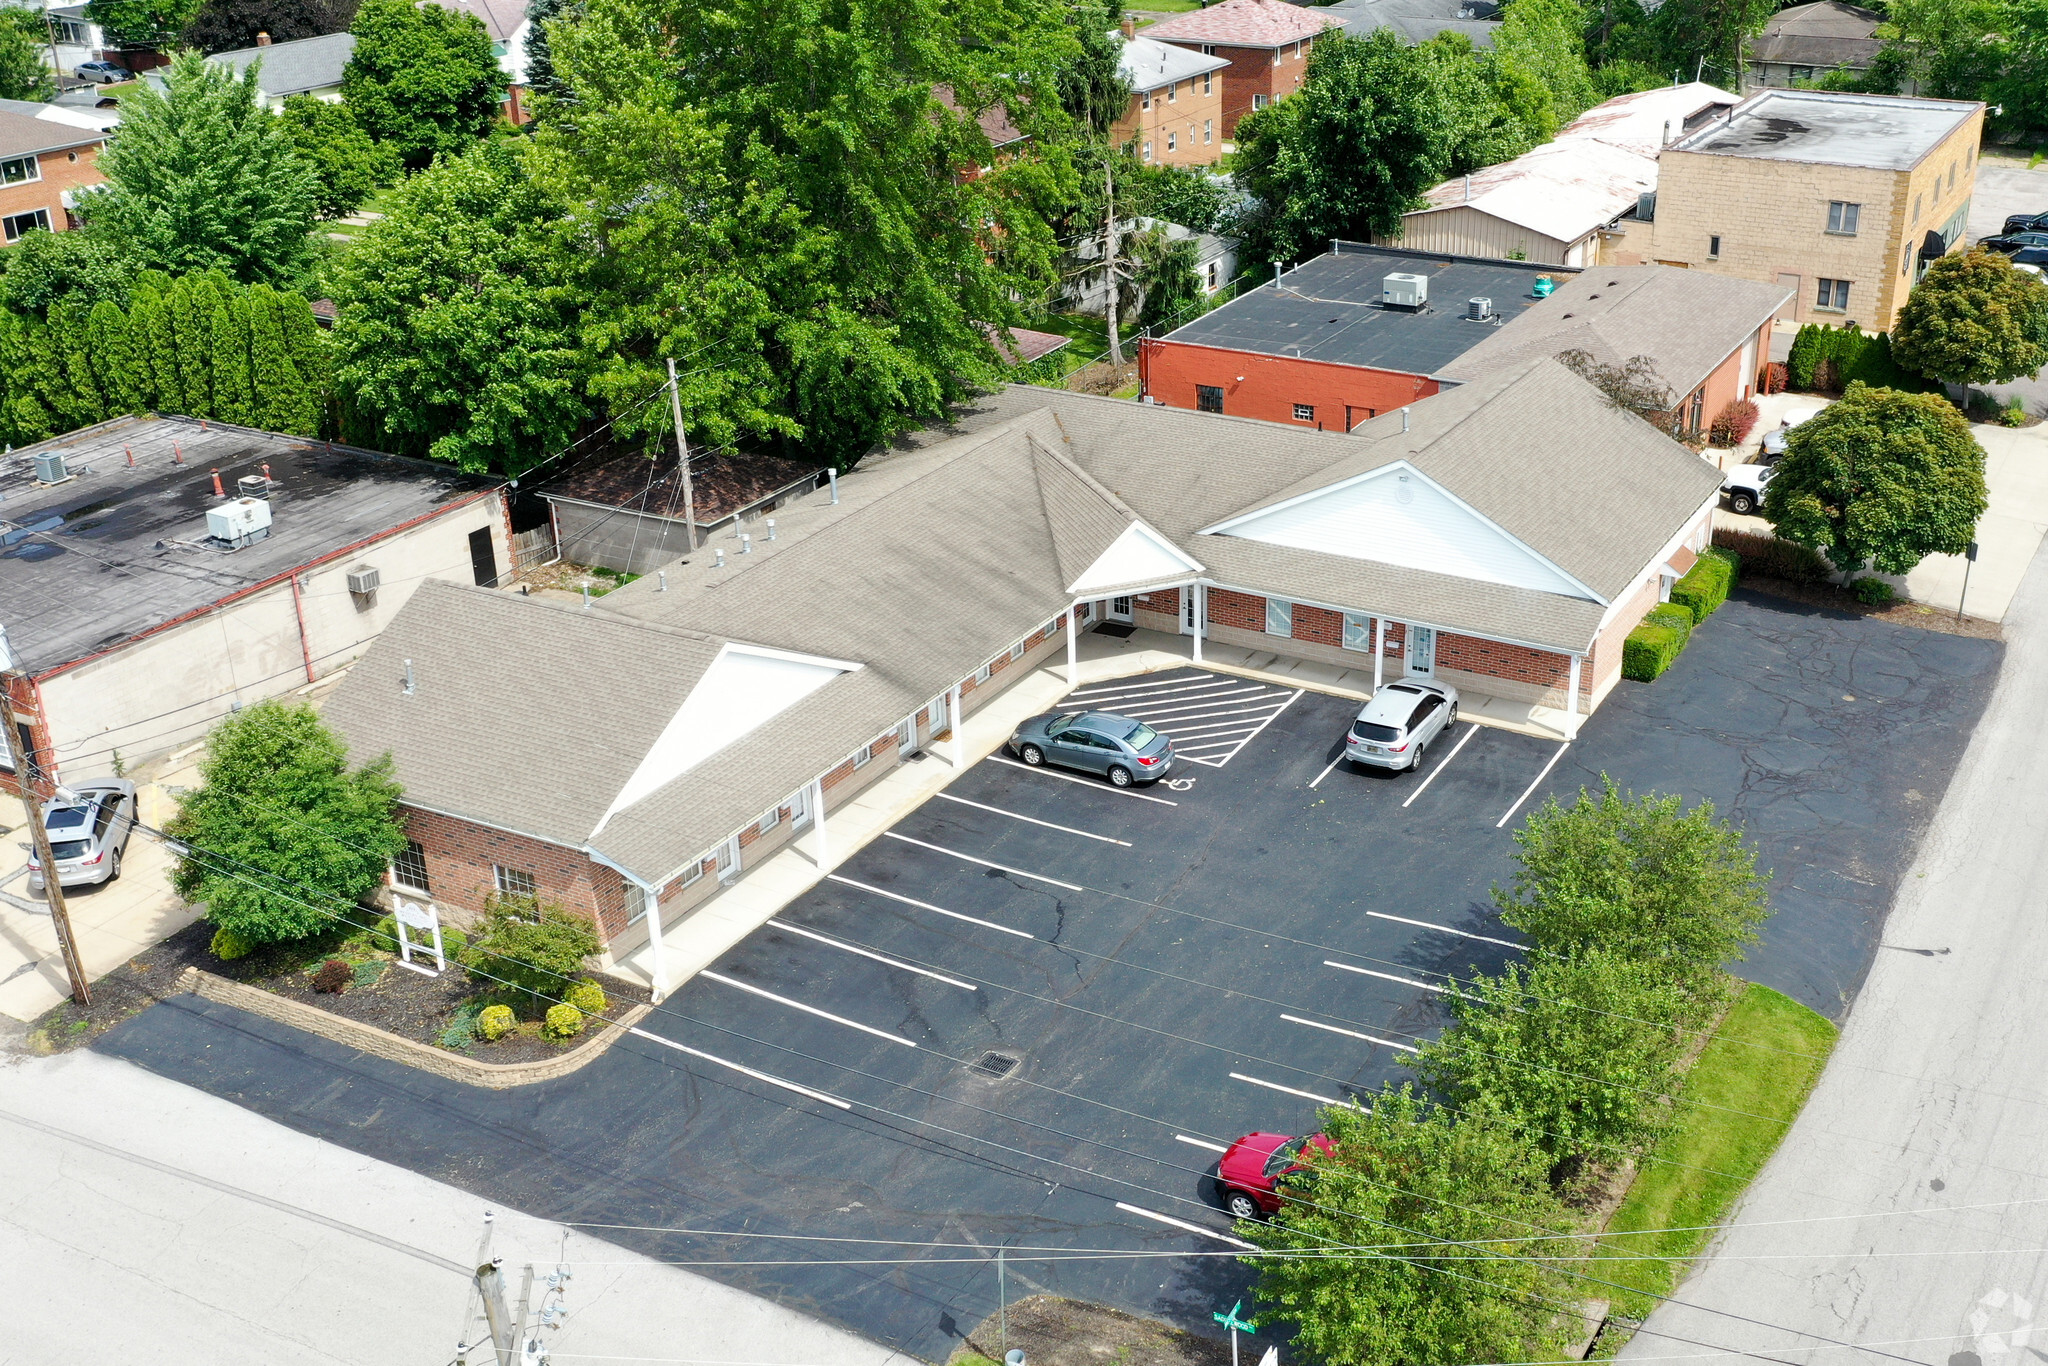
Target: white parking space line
{"points": [[1369, 1038], [1087, 783], [1217, 728], [1326, 771], [1446, 929], [1200, 1143], [1063, 829], [1003, 867], [1176, 685], [748, 1071], [753, 990], [869, 953], [1423, 786], [927, 906], [1271, 717], [1368, 972], [1206, 699], [1183, 1224], [1532, 786], [1179, 748], [1276, 1086], [1235, 706]]}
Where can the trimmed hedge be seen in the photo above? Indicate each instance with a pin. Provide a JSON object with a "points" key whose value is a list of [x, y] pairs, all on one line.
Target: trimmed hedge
{"points": [[1764, 554], [1705, 586], [1652, 646], [1827, 358]]}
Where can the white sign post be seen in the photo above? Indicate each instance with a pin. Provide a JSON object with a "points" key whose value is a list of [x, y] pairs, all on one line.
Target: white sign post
{"points": [[424, 918]]}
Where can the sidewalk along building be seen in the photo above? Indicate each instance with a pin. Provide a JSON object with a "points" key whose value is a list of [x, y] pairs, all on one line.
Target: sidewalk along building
{"points": [[626, 511], [1708, 335], [1553, 203], [158, 573], [1341, 338], [1842, 199], [44, 161], [1175, 117], [1265, 42], [1504, 536]]}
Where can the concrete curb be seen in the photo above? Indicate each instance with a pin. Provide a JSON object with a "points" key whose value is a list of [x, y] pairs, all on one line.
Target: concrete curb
{"points": [[493, 1076]]}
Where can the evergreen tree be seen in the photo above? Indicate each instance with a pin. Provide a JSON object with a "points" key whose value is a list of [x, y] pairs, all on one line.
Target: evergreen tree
{"points": [[192, 331], [76, 388], [156, 354], [232, 401], [280, 395], [111, 349], [312, 358]]}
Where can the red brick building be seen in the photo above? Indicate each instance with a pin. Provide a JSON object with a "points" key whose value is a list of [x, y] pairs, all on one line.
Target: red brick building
{"points": [[42, 163], [1266, 42]]}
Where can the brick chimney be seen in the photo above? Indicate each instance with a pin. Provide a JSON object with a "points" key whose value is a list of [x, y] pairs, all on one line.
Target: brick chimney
{"points": [[1130, 28], [263, 40]]}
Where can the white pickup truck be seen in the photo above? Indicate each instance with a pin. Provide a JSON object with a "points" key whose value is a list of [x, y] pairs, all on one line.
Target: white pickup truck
{"points": [[1744, 484]]}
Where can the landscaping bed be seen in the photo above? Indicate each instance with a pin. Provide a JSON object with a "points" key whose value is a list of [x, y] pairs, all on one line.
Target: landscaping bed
{"points": [[1902, 612], [1060, 1332], [439, 1011]]}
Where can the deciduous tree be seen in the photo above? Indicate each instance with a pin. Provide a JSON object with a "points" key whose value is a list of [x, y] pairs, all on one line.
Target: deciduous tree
{"points": [[24, 53], [281, 837], [1881, 478], [203, 177], [421, 78], [227, 25], [1974, 318], [1464, 1204], [350, 164], [149, 24]]}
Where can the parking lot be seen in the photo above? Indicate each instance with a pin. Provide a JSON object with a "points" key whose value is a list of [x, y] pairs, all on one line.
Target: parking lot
{"points": [[1034, 1011]]}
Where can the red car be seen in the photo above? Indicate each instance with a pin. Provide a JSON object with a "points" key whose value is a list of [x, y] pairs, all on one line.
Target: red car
{"points": [[1253, 1167]]}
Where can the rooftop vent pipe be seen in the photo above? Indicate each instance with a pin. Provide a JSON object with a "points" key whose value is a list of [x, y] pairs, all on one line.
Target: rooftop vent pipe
{"points": [[833, 475], [1404, 419], [408, 678], [718, 559], [771, 528], [746, 544], [662, 585], [218, 491]]}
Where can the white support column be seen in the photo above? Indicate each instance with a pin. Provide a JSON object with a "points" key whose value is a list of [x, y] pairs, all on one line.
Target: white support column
{"points": [[1379, 650], [657, 964], [953, 723], [821, 847], [1571, 705], [1201, 592], [1074, 645]]}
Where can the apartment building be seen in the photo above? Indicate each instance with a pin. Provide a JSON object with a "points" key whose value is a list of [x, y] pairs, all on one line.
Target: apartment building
{"points": [[1265, 44], [1175, 116]]}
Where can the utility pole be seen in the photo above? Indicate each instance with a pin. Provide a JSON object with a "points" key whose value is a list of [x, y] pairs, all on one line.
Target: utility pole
{"points": [[675, 398], [26, 771], [1109, 254]]}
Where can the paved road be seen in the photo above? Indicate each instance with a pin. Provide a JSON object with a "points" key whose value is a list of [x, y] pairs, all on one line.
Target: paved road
{"points": [[144, 1221], [1918, 1166]]}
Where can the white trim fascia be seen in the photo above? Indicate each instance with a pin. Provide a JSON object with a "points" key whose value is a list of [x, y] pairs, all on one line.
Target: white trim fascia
{"points": [[1159, 540], [1223, 527], [1405, 621], [787, 656], [1131, 590], [1662, 558]]}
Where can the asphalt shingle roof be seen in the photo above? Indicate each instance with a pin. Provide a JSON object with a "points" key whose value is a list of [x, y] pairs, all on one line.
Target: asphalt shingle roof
{"points": [[294, 67], [1244, 23]]}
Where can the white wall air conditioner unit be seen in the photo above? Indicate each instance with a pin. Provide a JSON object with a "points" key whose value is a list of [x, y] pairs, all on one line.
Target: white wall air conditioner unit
{"points": [[50, 468], [364, 579], [1479, 310], [240, 522], [1405, 291]]}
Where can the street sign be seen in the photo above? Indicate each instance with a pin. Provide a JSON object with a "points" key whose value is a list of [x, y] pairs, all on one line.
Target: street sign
{"points": [[1230, 1320]]}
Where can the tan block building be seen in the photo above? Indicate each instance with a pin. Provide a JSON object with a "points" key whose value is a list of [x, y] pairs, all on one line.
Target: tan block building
{"points": [[41, 163], [1175, 116], [1843, 199]]}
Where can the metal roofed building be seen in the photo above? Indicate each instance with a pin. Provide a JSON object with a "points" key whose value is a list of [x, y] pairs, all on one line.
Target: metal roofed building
{"points": [[1504, 535], [1843, 199], [1323, 346], [625, 512], [137, 628], [1550, 203]]}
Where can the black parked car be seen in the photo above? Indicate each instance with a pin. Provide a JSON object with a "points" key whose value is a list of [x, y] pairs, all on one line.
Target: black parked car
{"points": [[2025, 222], [2012, 243]]}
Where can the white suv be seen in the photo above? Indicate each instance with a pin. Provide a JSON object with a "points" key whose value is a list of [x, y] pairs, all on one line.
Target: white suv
{"points": [[1399, 723]]}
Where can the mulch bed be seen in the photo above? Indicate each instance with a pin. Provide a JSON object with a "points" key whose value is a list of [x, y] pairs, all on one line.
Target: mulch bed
{"points": [[1057, 1332], [385, 994], [1900, 613]]}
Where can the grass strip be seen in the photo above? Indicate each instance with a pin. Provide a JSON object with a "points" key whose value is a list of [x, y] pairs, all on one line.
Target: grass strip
{"points": [[1677, 1189]]}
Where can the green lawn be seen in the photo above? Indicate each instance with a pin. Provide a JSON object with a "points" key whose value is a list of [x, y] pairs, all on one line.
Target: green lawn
{"points": [[1721, 1151], [1162, 7], [1090, 335]]}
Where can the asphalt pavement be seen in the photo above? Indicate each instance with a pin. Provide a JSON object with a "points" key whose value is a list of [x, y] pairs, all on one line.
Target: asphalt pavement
{"points": [[1032, 1013], [1906, 1213]]}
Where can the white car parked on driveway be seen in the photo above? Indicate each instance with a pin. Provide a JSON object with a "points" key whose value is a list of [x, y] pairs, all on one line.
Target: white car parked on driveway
{"points": [[1744, 485]]}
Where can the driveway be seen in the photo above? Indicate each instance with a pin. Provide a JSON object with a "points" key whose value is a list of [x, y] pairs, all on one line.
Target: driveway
{"points": [[1032, 1013], [1908, 1207], [2005, 186]]}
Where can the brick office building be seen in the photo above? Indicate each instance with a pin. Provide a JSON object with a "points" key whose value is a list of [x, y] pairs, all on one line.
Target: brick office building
{"points": [[1265, 42], [42, 163], [651, 748]]}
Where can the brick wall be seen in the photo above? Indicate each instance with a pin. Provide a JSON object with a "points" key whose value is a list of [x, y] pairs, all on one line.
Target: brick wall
{"points": [[1605, 661], [61, 171], [22, 694], [1194, 120], [461, 855], [1318, 625], [1542, 669], [1252, 71], [1338, 397]]}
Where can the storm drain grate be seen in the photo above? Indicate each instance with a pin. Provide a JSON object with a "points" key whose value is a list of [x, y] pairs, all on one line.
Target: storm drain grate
{"points": [[994, 1066]]}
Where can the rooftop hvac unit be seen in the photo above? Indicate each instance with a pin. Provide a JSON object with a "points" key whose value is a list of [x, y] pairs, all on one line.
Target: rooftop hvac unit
{"points": [[364, 579], [253, 486], [1646, 206], [239, 523], [50, 468], [1479, 310], [1405, 291]]}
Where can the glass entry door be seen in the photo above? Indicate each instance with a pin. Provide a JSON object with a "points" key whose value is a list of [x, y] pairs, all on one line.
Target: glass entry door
{"points": [[1421, 652]]}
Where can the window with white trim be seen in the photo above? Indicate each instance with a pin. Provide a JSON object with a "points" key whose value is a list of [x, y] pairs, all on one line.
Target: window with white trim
{"points": [[863, 755], [693, 872], [1148, 152], [981, 675], [1173, 92], [1145, 99], [20, 170], [1172, 140], [1017, 650], [1832, 295], [1208, 126], [636, 903], [15, 224], [1208, 82], [1842, 217], [1279, 617], [513, 881], [1358, 632], [1261, 101], [409, 868]]}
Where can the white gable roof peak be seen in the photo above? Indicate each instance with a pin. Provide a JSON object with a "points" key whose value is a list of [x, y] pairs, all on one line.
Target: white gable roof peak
{"points": [[745, 687], [1139, 556], [1398, 515]]}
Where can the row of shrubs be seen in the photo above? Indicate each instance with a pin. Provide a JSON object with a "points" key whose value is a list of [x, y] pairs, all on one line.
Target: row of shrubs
{"points": [[1660, 638], [1764, 554], [1829, 358]]}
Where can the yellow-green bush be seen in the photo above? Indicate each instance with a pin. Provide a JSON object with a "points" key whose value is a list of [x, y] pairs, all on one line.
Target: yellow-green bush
{"points": [[228, 945], [587, 997], [1652, 646], [1705, 586], [563, 1022], [495, 1022]]}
